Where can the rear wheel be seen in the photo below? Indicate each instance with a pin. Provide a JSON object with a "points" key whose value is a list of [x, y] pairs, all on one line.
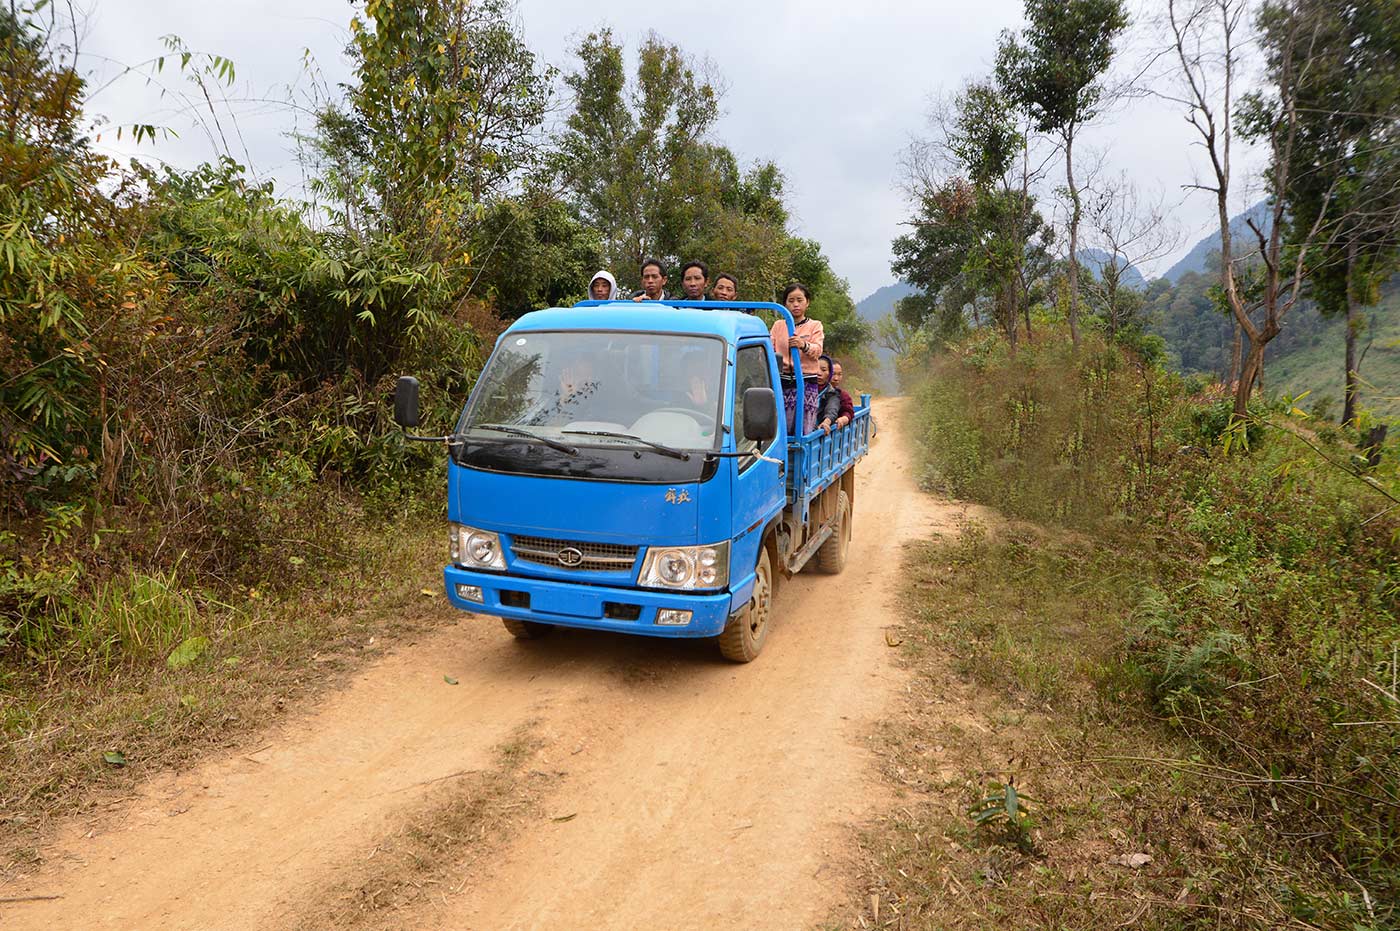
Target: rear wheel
{"points": [[746, 631], [831, 558], [526, 630]]}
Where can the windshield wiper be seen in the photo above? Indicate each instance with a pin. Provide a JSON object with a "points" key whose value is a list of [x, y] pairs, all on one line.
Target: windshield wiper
{"points": [[664, 450], [516, 431]]}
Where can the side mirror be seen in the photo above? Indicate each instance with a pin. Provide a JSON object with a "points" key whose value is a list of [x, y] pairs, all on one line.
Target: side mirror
{"points": [[760, 415], [406, 401]]}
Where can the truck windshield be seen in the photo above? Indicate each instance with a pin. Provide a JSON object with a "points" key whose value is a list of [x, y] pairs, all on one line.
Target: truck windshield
{"points": [[661, 389]]}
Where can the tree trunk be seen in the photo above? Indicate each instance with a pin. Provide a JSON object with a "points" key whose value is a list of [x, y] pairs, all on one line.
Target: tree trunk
{"points": [[1073, 237], [1236, 355], [1253, 365], [1373, 445], [1350, 388]]}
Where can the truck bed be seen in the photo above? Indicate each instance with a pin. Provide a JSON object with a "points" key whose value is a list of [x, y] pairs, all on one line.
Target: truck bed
{"points": [[817, 460]]}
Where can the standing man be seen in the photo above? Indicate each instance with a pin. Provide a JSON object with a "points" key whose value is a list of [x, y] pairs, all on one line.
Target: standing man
{"points": [[695, 280], [726, 287], [653, 282]]}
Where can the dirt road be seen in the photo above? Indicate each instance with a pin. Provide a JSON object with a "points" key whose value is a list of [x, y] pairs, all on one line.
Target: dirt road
{"points": [[618, 782]]}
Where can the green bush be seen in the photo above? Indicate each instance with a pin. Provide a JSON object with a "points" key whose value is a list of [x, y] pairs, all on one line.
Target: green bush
{"points": [[198, 379]]}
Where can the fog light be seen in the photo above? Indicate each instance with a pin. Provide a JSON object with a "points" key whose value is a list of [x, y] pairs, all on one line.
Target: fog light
{"points": [[670, 617], [469, 593]]}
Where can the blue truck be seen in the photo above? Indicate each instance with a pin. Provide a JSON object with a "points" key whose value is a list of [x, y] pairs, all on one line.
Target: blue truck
{"points": [[627, 467]]}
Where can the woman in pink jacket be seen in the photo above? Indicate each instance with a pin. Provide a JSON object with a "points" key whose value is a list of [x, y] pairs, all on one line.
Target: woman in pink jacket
{"points": [[807, 337]]}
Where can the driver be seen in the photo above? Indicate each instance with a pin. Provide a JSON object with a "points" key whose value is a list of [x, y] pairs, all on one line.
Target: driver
{"points": [[699, 389], [577, 380]]}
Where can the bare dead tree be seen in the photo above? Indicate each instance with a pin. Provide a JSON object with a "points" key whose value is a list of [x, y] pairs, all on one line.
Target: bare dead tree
{"points": [[1131, 230], [1206, 38]]}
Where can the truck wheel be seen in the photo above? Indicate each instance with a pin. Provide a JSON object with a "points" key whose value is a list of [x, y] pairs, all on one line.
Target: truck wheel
{"points": [[526, 630], [746, 631], [831, 558]]}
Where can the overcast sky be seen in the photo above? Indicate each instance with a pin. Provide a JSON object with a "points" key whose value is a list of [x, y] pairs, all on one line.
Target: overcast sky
{"points": [[831, 92]]}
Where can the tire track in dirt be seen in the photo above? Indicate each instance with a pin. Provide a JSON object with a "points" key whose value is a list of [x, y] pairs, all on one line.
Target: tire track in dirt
{"points": [[682, 791]]}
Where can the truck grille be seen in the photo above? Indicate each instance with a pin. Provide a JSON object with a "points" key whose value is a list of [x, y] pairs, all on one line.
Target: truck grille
{"points": [[574, 554]]}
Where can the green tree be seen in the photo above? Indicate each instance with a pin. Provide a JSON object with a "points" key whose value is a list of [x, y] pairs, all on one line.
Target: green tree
{"points": [[535, 254], [978, 240], [1055, 70], [638, 166], [1345, 196], [629, 159], [444, 113]]}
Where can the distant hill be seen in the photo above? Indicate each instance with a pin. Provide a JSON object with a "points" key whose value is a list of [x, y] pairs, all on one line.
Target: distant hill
{"points": [[881, 302], [872, 308], [1195, 260], [1313, 360], [1308, 355], [1096, 259]]}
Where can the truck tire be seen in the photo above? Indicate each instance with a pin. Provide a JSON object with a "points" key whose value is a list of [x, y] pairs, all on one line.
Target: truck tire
{"points": [[831, 558], [526, 630], [744, 635]]}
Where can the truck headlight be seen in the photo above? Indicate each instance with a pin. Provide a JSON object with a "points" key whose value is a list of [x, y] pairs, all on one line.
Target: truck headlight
{"points": [[476, 549], [686, 567]]}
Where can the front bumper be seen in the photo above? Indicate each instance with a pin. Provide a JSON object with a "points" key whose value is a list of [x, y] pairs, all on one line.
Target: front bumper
{"points": [[592, 606]]}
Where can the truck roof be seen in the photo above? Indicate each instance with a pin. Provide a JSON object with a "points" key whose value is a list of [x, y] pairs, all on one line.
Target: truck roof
{"points": [[648, 316]]}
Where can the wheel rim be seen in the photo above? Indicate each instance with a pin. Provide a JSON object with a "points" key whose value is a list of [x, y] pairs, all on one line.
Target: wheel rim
{"points": [[760, 606]]}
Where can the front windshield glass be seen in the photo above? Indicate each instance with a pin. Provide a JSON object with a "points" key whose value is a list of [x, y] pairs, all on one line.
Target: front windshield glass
{"points": [[661, 388]]}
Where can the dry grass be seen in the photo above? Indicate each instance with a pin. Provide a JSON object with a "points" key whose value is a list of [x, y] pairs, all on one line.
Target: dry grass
{"points": [[266, 655], [1011, 647]]}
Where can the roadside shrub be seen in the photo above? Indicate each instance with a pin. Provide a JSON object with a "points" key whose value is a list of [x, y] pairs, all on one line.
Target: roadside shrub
{"points": [[197, 378], [1004, 430]]}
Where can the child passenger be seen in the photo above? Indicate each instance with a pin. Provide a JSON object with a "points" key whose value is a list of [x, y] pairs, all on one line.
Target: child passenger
{"points": [[807, 337]]}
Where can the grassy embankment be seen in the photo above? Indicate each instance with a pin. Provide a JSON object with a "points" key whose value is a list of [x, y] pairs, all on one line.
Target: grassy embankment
{"points": [[1317, 367], [1183, 656]]}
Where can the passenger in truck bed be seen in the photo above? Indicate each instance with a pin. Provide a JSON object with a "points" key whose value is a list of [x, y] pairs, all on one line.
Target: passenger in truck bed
{"points": [[726, 287], [808, 336], [834, 407], [695, 278], [848, 408]]}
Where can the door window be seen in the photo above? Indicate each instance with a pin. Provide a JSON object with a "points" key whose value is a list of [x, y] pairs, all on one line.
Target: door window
{"points": [[750, 371]]}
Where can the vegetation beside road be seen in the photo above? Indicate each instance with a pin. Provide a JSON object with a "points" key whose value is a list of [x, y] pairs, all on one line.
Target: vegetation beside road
{"points": [[1189, 654], [77, 731]]}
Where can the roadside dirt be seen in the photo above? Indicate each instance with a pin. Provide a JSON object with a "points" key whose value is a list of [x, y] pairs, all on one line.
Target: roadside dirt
{"points": [[590, 780]]}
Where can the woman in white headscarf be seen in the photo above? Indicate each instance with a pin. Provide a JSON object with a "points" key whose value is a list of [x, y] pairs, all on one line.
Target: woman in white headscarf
{"points": [[603, 287]]}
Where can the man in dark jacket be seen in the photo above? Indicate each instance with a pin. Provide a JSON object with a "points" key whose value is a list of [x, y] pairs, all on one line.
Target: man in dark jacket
{"points": [[653, 282], [848, 409], [828, 396]]}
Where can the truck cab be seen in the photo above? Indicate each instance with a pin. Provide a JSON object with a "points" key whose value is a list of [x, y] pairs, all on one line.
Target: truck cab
{"points": [[628, 467]]}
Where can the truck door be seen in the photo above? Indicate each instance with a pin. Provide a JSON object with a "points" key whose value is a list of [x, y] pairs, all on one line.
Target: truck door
{"points": [[758, 485]]}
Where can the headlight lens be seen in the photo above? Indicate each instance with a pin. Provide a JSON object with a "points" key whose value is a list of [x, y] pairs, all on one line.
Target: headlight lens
{"points": [[476, 549], [686, 567]]}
